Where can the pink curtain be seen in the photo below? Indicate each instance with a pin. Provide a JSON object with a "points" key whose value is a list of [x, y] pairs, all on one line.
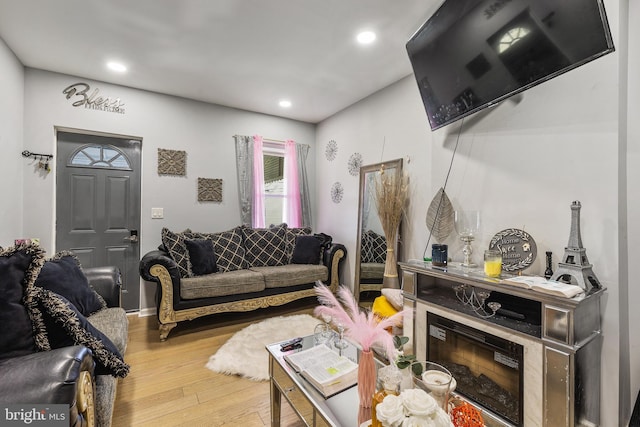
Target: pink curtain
{"points": [[292, 206], [257, 210]]}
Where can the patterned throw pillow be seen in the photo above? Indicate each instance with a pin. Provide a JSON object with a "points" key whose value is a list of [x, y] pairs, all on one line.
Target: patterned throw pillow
{"points": [[228, 247], [174, 243], [265, 246], [374, 247], [365, 248]]}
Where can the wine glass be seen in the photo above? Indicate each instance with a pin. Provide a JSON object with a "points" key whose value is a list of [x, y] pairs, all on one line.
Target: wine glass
{"points": [[467, 224], [340, 343]]}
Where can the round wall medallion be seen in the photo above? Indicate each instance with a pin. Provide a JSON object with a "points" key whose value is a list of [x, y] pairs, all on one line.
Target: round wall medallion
{"points": [[517, 247], [355, 162], [332, 150], [337, 192]]}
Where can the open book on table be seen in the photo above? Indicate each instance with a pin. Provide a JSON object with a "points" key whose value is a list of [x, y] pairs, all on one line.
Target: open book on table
{"points": [[325, 369], [540, 284]]}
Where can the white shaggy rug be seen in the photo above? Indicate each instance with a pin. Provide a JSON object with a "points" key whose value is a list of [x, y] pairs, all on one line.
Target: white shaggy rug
{"points": [[245, 354]]}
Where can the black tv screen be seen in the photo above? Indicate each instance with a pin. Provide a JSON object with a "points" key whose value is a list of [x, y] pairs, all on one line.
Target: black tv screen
{"points": [[472, 54]]}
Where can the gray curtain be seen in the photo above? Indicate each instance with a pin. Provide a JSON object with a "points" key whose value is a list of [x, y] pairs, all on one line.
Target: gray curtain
{"points": [[244, 163], [305, 203]]}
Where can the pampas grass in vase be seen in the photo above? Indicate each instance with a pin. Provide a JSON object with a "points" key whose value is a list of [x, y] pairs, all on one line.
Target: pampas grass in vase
{"points": [[361, 327], [392, 189]]}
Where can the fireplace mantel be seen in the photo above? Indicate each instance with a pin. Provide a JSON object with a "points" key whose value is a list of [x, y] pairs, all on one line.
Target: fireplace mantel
{"points": [[561, 336]]}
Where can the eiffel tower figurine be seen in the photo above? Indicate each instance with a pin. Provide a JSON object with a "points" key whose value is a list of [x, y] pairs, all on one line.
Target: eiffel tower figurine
{"points": [[575, 267]]}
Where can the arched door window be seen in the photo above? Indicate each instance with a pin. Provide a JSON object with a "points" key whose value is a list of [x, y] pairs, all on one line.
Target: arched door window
{"points": [[99, 156]]}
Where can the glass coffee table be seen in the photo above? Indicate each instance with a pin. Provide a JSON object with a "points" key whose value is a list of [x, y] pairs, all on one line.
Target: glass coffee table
{"points": [[342, 409]]}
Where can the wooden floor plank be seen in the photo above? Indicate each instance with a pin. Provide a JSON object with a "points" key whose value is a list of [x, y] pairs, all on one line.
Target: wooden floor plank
{"points": [[169, 385]]}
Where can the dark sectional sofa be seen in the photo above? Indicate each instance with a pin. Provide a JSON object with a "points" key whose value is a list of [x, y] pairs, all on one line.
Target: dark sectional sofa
{"points": [[242, 269]]}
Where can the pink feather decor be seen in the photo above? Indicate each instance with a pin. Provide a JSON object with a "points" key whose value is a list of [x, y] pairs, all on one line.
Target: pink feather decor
{"points": [[360, 325]]}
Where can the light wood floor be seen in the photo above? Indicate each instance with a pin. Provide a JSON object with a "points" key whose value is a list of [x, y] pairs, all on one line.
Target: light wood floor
{"points": [[168, 384]]}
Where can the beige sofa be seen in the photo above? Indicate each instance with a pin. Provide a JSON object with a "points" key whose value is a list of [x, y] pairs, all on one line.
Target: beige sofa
{"points": [[256, 268]]}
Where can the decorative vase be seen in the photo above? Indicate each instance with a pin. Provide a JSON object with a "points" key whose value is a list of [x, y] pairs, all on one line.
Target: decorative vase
{"points": [[407, 379], [366, 378], [390, 278]]}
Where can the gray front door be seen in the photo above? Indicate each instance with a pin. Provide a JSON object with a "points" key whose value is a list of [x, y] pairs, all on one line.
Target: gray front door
{"points": [[98, 205]]}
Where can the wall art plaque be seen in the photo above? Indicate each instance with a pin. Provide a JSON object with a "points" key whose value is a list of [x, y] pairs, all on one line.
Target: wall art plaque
{"points": [[172, 162], [337, 192], [209, 190], [518, 248]]}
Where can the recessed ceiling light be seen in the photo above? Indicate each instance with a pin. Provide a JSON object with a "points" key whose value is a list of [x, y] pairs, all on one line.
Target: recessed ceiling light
{"points": [[366, 37], [116, 66], [285, 103]]}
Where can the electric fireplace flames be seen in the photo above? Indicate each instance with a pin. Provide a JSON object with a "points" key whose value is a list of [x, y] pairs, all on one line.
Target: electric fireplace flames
{"points": [[488, 369]]}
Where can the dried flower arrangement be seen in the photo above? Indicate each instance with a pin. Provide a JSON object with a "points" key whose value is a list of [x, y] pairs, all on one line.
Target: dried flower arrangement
{"points": [[392, 190], [361, 326]]}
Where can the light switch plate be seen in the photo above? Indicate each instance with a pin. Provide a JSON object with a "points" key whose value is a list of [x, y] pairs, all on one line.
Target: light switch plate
{"points": [[157, 213]]}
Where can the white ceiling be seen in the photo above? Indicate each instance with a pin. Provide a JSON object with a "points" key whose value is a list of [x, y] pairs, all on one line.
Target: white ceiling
{"points": [[247, 54]]}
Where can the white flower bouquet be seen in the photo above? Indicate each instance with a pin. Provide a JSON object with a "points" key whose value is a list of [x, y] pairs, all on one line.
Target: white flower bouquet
{"points": [[414, 407]]}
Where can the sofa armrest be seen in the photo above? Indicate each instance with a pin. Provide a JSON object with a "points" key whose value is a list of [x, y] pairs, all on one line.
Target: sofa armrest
{"points": [[60, 376], [156, 266], [107, 282], [332, 258]]}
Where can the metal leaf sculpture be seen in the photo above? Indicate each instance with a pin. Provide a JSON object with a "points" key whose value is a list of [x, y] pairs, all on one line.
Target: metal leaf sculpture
{"points": [[440, 218]]}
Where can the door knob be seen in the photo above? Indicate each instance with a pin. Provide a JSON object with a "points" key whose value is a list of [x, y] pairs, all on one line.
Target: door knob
{"points": [[133, 236]]}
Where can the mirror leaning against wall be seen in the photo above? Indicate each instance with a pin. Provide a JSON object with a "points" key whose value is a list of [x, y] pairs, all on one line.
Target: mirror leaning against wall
{"points": [[371, 246]]}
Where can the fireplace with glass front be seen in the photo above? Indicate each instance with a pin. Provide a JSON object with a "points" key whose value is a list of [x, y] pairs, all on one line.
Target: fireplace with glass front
{"points": [[535, 362]]}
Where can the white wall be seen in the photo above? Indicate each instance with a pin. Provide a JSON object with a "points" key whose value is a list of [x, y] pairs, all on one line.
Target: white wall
{"points": [[521, 164], [203, 130], [633, 201], [11, 162]]}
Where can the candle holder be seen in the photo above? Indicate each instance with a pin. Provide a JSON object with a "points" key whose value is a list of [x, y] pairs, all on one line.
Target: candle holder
{"points": [[475, 299], [467, 224], [435, 379]]}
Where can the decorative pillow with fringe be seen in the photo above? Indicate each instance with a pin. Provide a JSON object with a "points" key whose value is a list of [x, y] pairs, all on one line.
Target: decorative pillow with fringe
{"points": [[23, 331], [63, 275], [67, 326]]}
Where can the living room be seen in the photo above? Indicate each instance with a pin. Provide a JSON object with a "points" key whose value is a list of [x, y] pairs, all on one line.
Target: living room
{"points": [[521, 164]]}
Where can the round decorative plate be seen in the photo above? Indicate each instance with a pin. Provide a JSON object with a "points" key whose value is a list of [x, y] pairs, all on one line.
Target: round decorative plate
{"points": [[332, 150], [518, 248], [355, 162], [336, 192]]}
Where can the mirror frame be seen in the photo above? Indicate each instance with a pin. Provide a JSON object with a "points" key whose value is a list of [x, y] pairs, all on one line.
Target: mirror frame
{"points": [[364, 170]]}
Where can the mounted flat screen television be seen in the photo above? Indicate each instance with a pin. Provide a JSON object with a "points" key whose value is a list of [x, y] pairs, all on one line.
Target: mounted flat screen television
{"points": [[472, 54]]}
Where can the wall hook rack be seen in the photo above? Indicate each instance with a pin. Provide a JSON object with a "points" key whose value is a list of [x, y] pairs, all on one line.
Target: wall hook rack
{"points": [[43, 159], [38, 156]]}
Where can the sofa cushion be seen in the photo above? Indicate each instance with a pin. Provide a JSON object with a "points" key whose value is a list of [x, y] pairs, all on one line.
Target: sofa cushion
{"points": [[63, 275], [265, 246], [218, 284], [291, 274], [174, 244], [307, 250], [19, 267], [201, 256], [371, 270], [67, 326], [113, 323]]}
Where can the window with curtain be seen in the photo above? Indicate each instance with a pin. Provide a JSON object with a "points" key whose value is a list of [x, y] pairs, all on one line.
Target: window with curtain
{"points": [[272, 181], [274, 188]]}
